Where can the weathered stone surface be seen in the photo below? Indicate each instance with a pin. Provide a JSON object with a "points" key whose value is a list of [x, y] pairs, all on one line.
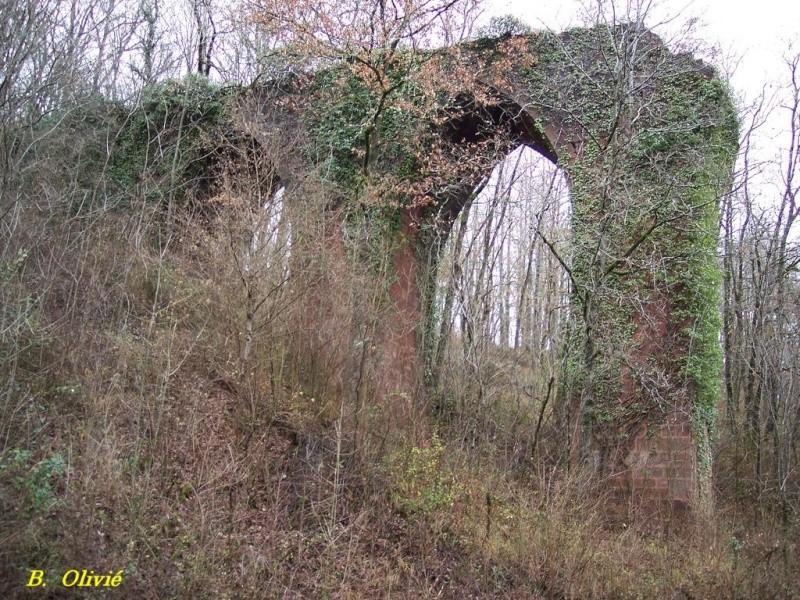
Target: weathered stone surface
{"points": [[647, 139]]}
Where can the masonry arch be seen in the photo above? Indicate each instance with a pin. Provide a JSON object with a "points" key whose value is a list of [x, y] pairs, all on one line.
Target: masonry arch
{"points": [[647, 140]]}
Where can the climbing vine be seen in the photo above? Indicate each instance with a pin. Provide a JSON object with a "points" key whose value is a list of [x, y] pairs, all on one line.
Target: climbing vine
{"points": [[169, 140], [647, 138], [403, 138], [657, 142]]}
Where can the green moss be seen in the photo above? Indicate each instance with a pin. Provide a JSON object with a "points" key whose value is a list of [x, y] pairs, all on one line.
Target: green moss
{"points": [[660, 155], [368, 134], [671, 168], [168, 140]]}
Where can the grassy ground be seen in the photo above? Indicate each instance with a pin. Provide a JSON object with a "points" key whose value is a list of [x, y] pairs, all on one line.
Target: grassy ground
{"points": [[134, 438]]}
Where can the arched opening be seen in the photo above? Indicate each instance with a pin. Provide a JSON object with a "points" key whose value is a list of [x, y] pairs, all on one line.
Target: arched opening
{"points": [[626, 403], [639, 366], [502, 306]]}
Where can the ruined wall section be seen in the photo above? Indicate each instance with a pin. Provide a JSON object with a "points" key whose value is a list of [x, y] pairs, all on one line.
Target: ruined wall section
{"points": [[647, 139]]}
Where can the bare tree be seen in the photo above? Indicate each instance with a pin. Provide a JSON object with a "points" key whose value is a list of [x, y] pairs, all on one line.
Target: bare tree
{"points": [[761, 258]]}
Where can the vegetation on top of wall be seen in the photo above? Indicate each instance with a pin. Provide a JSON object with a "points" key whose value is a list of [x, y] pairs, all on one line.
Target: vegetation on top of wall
{"points": [[171, 137], [669, 135], [202, 410]]}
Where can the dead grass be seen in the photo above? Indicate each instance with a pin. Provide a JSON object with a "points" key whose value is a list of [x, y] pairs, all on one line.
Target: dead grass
{"points": [[135, 440]]}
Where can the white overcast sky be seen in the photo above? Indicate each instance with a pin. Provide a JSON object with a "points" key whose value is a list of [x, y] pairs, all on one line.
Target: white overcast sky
{"points": [[758, 32], [750, 38]]}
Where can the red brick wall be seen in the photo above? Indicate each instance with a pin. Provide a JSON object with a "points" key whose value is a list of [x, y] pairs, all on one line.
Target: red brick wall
{"points": [[659, 476]]}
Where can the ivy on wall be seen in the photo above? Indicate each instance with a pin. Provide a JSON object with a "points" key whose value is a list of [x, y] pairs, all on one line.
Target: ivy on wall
{"points": [[647, 138]]}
